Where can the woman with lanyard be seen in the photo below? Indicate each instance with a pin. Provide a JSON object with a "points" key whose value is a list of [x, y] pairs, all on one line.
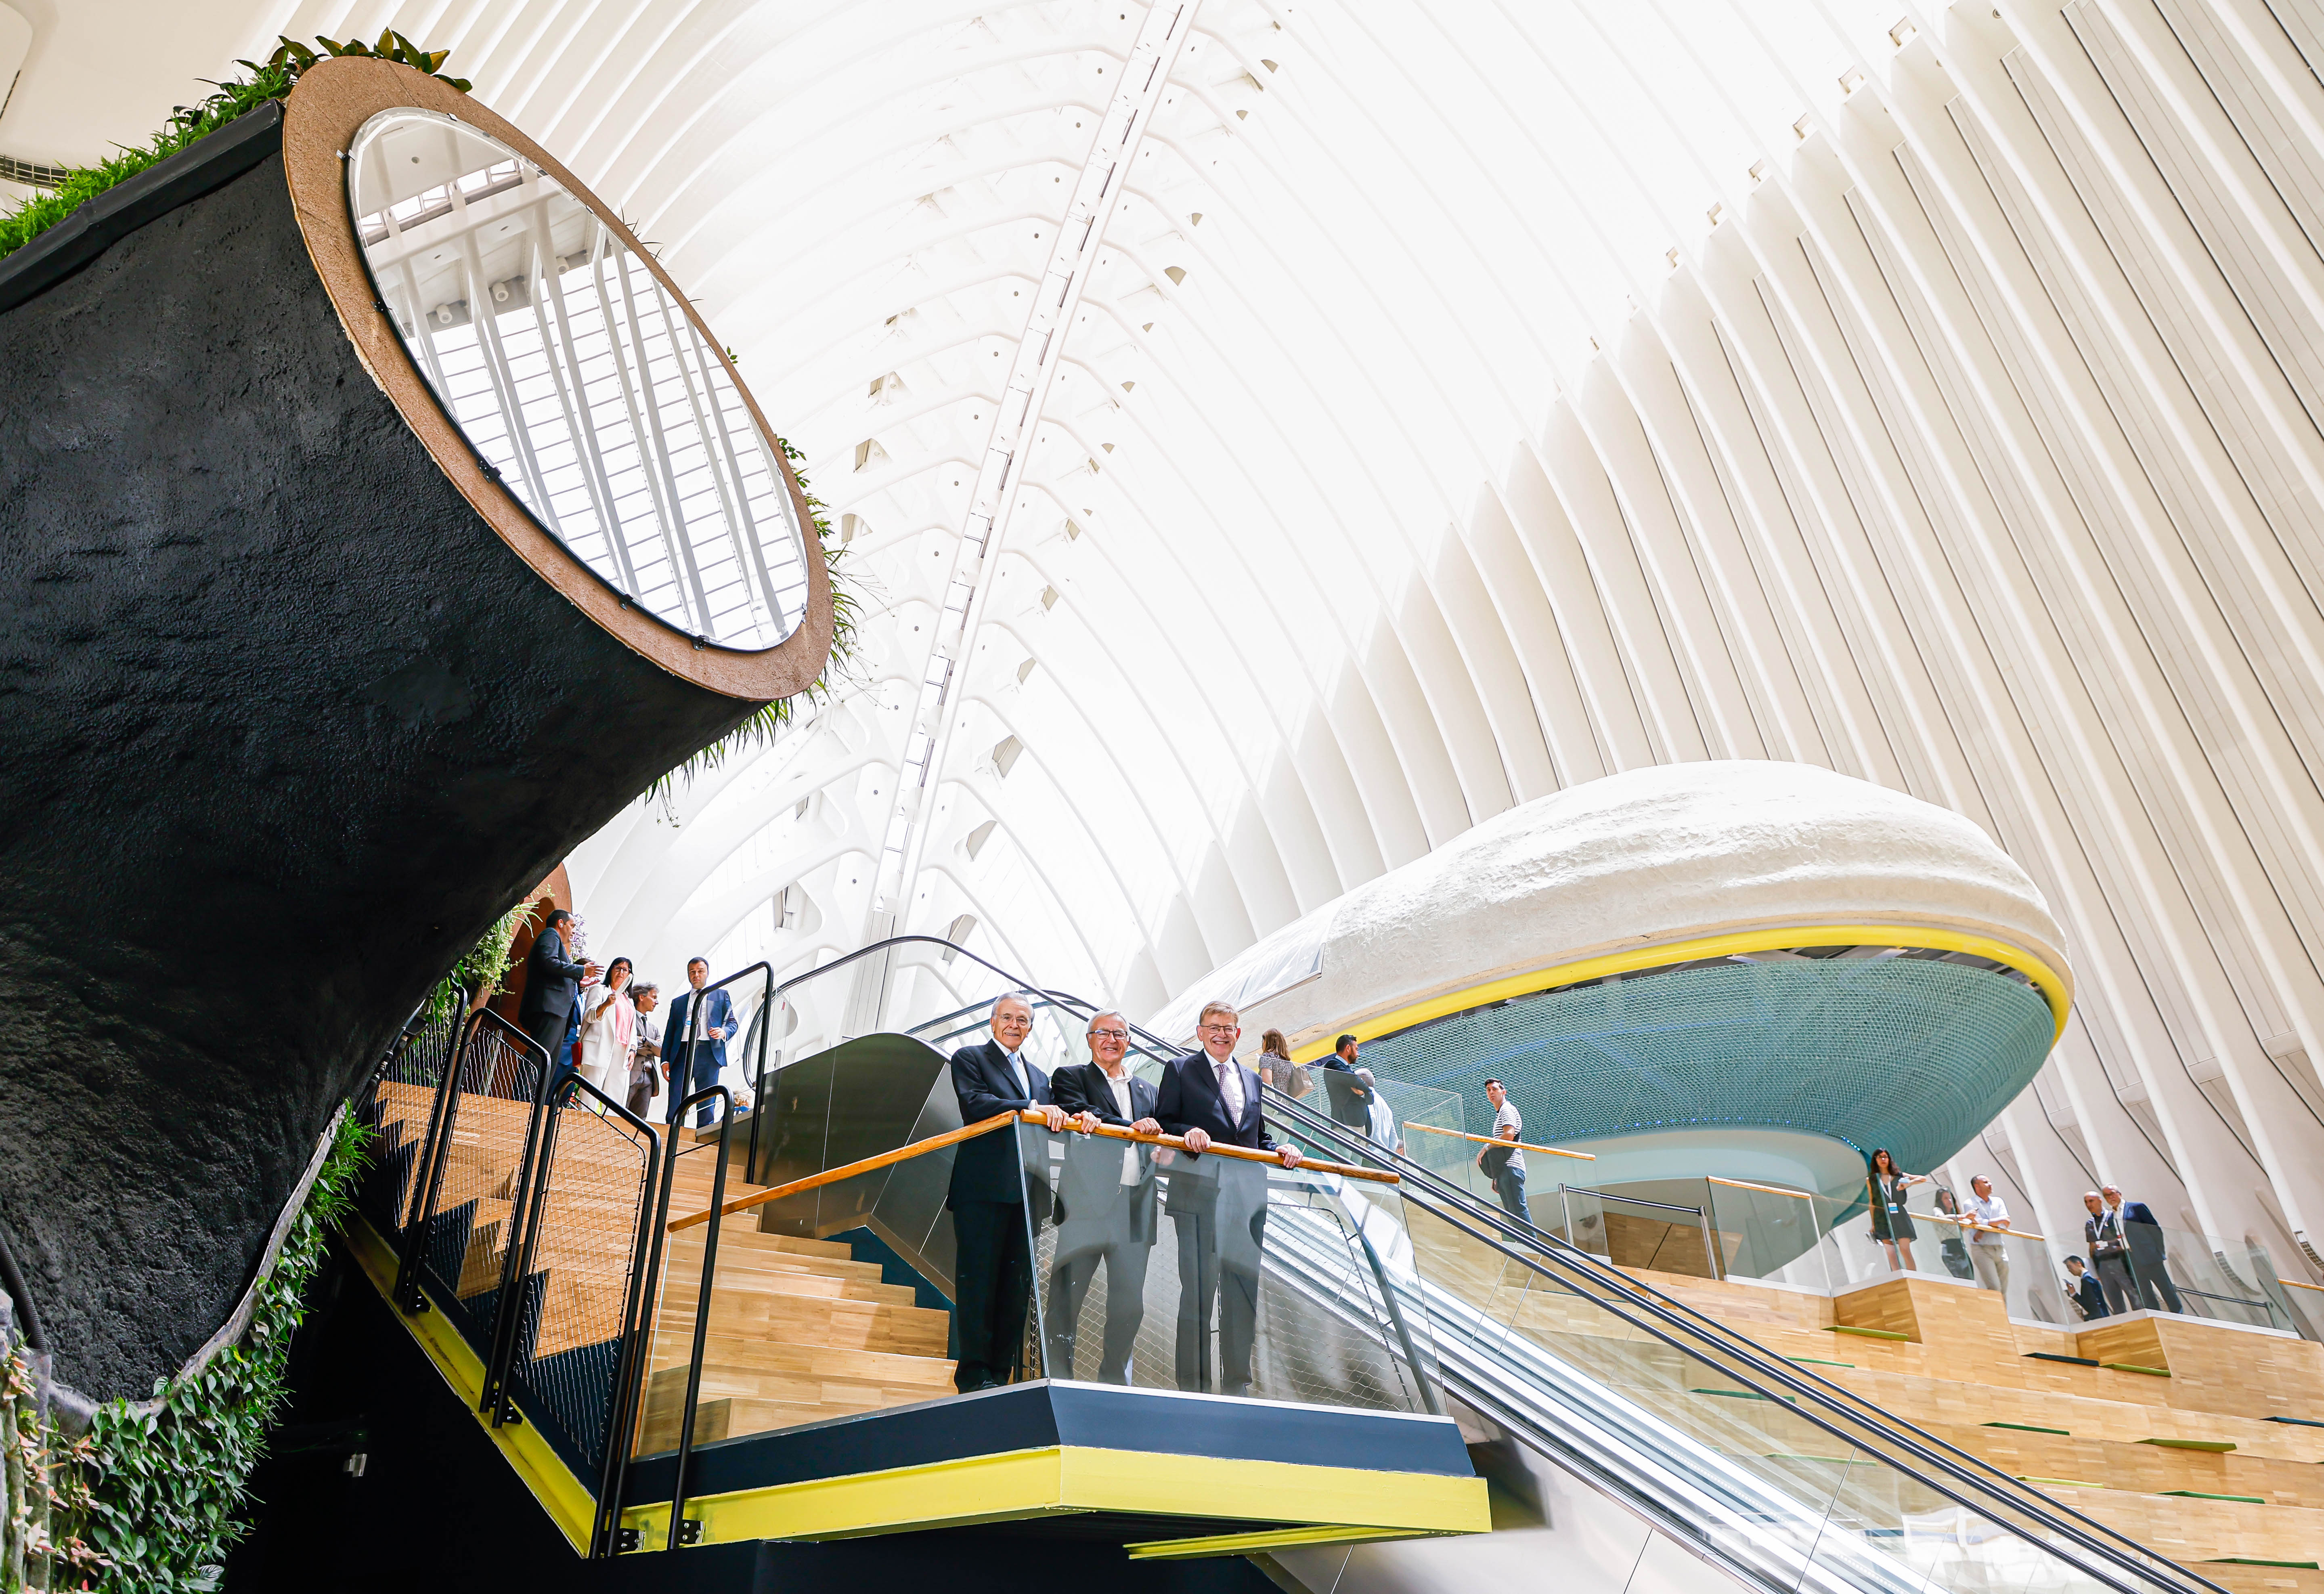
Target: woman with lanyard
{"points": [[1892, 1224]]}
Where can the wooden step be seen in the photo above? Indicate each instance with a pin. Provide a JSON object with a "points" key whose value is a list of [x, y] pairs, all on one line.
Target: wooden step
{"points": [[810, 1319]]}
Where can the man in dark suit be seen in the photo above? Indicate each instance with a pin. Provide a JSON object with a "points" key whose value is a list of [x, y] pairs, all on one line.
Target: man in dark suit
{"points": [[992, 1262], [2082, 1290], [1218, 1205], [2149, 1262], [700, 1070], [1105, 1202], [552, 985]]}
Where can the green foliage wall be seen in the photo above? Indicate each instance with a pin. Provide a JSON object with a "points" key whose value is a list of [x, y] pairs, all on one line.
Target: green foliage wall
{"points": [[146, 1501]]}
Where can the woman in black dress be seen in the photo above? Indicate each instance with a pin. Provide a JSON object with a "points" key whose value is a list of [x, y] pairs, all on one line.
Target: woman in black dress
{"points": [[1892, 1224]]}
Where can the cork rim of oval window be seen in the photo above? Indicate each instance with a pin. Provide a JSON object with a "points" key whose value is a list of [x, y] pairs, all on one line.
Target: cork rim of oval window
{"points": [[582, 381]]}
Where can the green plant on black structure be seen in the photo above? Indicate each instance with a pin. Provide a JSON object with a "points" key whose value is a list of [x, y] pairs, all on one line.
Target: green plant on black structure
{"points": [[271, 80], [484, 966], [146, 1502]]}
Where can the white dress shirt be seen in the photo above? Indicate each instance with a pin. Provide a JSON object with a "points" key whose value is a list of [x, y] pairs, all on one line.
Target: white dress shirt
{"points": [[1120, 1088]]}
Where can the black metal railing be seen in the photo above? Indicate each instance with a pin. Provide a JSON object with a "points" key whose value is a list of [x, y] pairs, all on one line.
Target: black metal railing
{"points": [[525, 1212]]}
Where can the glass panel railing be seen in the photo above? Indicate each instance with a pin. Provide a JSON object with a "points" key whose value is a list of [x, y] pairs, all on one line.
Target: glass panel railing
{"points": [[833, 1291], [2180, 1270], [1219, 1274]]}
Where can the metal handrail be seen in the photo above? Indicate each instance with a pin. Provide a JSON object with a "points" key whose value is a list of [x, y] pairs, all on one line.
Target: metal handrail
{"points": [[428, 1179], [1837, 1411], [679, 1532]]}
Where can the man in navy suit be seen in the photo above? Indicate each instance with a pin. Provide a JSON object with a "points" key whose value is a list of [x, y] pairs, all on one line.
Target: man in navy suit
{"points": [[2149, 1270], [1105, 1202], [993, 1249], [711, 1032], [1218, 1206]]}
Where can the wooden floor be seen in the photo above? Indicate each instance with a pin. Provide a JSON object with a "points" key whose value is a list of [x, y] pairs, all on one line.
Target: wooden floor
{"points": [[2134, 1449]]}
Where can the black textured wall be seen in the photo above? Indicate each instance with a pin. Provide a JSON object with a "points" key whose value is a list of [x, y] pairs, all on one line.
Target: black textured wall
{"points": [[284, 725]]}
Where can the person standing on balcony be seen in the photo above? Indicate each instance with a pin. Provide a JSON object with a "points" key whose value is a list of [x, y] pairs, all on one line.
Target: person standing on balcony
{"points": [[2082, 1291], [711, 1031], [551, 987], [1505, 1165], [609, 1028], [1954, 1247], [2150, 1267], [1892, 1222], [1217, 1206], [2109, 1249], [1105, 1202], [645, 1051], [992, 1245], [1988, 1246]]}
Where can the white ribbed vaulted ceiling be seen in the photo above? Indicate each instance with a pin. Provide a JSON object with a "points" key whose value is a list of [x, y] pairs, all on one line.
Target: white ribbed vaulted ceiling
{"points": [[1470, 400]]}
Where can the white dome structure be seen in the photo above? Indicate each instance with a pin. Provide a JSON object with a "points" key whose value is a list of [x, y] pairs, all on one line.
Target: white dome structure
{"points": [[1640, 870]]}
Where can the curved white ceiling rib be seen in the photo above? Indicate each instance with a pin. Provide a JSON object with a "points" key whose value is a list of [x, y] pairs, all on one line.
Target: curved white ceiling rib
{"points": [[1473, 400]]}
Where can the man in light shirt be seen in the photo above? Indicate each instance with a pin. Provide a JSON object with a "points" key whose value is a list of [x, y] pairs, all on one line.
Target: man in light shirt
{"points": [[1987, 1245], [1505, 1165], [1105, 1202], [1218, 1205]]}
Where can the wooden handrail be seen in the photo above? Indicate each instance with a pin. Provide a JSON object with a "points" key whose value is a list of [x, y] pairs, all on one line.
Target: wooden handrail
{"points": [[998, 1121], [2297, 1285], [967, 1131], [1497, 1140], [1770, 1189]]}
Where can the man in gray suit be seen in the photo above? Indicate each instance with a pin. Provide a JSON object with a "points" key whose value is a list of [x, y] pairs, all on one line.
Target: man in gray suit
{"points": [[1105, 1202]]}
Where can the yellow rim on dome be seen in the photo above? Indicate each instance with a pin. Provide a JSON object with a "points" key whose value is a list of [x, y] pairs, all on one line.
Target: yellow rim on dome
{"points": [[2044, 978]]}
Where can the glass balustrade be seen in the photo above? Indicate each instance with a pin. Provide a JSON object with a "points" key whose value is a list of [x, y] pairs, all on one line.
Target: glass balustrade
{"points": [[832, 1290]]}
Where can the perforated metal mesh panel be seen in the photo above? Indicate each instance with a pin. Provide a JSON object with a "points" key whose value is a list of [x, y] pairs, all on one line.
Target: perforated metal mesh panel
{"points": [[1912, 1055]]}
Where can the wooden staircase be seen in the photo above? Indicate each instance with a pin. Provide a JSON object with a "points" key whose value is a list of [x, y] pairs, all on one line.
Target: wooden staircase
{"points": [[800, 1331]]}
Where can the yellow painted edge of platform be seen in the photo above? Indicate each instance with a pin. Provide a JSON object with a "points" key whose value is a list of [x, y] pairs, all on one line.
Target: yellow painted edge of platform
{"points": [[2045, 978], [1257, 1543], [1073, 1480], [569, 1506]]}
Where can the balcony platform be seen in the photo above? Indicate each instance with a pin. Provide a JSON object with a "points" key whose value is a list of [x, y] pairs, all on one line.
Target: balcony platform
{"points": [[1164, 1473]]}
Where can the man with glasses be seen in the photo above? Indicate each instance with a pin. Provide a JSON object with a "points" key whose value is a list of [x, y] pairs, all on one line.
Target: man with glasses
{"points": [[993, 1266], [1105, 1202], [1217, 1205]]}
